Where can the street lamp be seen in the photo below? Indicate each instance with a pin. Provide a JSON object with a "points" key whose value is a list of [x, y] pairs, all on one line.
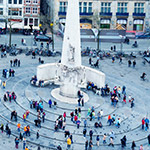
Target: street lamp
{"points": [[51, 25]]}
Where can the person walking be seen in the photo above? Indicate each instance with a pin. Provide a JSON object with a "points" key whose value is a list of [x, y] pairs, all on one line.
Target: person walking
{"points": [[84, 132], [2, 128], [86, 145], [85, 123], [68, 143], [104, 138], [37, 134], [24, 143], [111, 142], [50, 103], [133, 145], [148, 139], [143, 123], [16, 142], [134, 63], [91, 134], [90, 145], [19, 126], [97, 140]]}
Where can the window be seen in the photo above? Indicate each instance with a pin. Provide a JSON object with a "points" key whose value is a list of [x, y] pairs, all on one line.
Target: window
{"points": [[30, 21], [105, 7], [138, 7], [36, 22], [28, 1], [28, 10], [63, 6], [15, 1], [90, 7], [1, 11], [1, 1], [25, 21], [80, 7], [122, 7], [9, 1], [84, 7], [35, 10], [15, 11], [20, 1], [35, 1]]}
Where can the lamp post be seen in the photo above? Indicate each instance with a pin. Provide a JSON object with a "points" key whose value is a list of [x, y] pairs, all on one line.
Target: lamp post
{"points": [[51, 25]]}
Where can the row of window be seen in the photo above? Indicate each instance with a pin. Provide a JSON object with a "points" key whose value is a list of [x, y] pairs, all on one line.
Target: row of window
{"points": [[20, 1], [86, 7], [28, 10], [18, 11], [30, 21]]}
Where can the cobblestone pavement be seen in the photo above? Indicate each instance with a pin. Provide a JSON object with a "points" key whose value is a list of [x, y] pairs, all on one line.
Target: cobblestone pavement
{"points": [[116, 75]]}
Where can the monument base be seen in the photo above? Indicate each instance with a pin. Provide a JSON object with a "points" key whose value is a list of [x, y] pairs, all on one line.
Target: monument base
{"points": [[56, 94]]}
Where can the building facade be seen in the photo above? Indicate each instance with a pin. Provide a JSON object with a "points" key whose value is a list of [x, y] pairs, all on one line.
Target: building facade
{"points": [[19, 14], [107, 14]]}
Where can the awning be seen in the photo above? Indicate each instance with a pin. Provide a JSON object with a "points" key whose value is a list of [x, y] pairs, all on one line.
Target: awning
{"points": [[122, 21], [16, 25], [2, 25], [62, 20], [138, 21], [105, 21]]}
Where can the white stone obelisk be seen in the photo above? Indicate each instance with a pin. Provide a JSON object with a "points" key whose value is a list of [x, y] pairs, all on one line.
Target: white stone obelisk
{"points": [[71, 53]]}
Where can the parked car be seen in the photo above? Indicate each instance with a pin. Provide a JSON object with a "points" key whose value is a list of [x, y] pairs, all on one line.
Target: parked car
{"points": [[143, 36], [42, 37]]}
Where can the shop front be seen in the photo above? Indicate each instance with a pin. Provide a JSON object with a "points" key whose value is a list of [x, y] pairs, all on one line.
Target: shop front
{"points": [[122, 22], [105, 23], [138, 25]]}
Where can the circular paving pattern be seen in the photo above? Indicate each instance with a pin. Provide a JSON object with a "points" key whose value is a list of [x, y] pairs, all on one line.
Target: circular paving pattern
{"points": [[116, 75]]}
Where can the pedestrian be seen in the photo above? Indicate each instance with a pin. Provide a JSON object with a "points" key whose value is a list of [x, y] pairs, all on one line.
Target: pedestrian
{"points": [[50, 103], [123, 141], [24, 117], [134, 63], [120, 60], [109, 120], [9, 132], [84, 132], [82, 102], [4, 84], [43, 117], [141, 147], [64, 125], [91, 134], [129, 63], [79, 100], [2, 128], [113, 59], [64, 116], [37, 134], [101, 113], [78, 123], [20, 136], [97, 139], [90, 60], [59, 147], [104, 138], [19, 126], [148, 139], [143, 123], [72, 115], [24, 143], [68, 143], [86, 145], [18, 63], [146, 124], [90, 145], [16, 142], [10, 63], [31, 103], [111, 142], [133, 145]]}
